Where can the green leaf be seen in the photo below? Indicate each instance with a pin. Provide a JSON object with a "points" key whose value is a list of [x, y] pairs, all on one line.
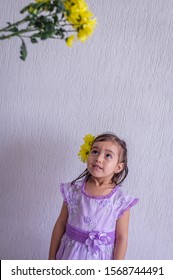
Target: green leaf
{"points": [[25, 9], [60, 32], [59, 6], [32, 21], [33, 40], [23, 50], [14, 29], [55, 19], [44, 35], [68, 13]]}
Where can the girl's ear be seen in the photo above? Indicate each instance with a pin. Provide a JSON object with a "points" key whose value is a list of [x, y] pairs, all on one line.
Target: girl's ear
{"points": [[119, 167]]}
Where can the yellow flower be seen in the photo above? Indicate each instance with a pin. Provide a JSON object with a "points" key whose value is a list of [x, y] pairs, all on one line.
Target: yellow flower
{"points": [[86, 30], [84, 152], [76, 5], [88, 139], [69, 20], [81, 18], [86, 147], [70, 41]]}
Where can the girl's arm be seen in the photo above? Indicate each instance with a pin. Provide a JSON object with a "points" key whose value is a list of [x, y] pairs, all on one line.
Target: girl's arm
{"points": [[58, 232], [122, 225]]}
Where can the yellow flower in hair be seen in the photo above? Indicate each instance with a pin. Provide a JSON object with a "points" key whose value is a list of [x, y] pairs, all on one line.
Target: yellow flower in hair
{"points": [[84, 152], [86, 147], [88, 139]]}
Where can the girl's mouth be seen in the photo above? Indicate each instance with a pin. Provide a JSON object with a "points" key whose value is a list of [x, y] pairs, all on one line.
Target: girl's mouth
{"points": [[97, 166]]}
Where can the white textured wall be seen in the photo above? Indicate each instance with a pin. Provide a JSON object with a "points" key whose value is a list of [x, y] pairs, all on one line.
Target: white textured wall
{"points": [[120, 80]]}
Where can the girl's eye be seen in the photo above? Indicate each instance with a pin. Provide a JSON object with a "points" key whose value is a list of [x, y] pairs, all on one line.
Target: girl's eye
{"points": [[108, 156], [94, 152]]}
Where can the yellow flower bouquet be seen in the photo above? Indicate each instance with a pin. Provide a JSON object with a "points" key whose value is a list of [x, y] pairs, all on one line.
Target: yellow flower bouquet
{"points": [[70, 20]]}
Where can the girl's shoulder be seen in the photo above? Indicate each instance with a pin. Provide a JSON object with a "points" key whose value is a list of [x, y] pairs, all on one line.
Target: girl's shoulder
{"points": [[123, 194], [71, 187], [123, 200], [70, 191]]}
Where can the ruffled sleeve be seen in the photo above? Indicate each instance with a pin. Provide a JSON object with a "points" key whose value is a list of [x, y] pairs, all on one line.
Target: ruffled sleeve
{"points": [[125, 202], [70, 192], [64, 188]]}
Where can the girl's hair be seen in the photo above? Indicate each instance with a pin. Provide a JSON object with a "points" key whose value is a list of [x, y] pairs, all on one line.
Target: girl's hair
{"points": [[117, 178]]}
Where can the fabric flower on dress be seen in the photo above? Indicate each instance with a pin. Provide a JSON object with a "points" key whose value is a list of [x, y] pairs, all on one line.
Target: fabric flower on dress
{"points": [[73, 202], [96, 240], [91, 223], [86, 147]]}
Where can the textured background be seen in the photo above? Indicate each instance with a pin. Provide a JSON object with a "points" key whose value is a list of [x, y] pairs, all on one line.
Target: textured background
{"points": [[121, 80]]}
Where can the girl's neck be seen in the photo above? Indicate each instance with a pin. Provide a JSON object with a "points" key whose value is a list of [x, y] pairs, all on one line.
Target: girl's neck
{"points": [[100, 182], [98, 187]]}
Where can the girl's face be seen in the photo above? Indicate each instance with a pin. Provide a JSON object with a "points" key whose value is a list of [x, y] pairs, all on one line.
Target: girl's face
{"points": [[103, 160]]}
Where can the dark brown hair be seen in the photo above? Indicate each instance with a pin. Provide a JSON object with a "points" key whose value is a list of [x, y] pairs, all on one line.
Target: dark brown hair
{"points": [[117, 178]]}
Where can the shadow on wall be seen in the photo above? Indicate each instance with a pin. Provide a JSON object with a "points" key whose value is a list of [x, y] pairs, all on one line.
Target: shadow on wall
{"points": [[30, 172]]}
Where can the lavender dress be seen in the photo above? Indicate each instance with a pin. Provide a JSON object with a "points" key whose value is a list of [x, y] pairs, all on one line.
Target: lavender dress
{"points": [[90, 231]]}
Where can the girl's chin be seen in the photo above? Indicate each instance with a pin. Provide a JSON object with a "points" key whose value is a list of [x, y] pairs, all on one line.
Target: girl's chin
{"points": [[95, 171]]}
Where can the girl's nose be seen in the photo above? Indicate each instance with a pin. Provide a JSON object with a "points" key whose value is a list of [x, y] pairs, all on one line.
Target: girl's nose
{"points": [[99, 158]]}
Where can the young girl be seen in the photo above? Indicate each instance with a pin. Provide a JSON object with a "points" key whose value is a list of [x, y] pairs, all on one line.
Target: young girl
{"points": [[94, 219]]}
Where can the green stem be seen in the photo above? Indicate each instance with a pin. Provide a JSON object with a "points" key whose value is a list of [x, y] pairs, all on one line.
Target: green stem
{"points": [[18, 33], [27, 18]]}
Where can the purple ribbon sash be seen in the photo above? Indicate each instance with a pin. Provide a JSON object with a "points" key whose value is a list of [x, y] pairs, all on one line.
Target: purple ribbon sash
{"points": [[95, 240]]}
